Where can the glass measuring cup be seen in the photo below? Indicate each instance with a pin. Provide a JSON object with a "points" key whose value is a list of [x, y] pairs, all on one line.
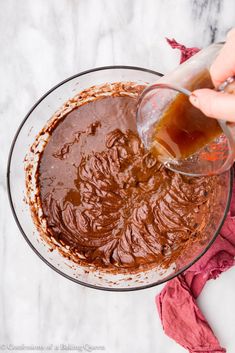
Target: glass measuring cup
{"points": [[217, 155]]}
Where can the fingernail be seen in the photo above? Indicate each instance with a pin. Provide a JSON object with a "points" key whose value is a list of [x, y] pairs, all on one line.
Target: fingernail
{"points": [[194, 100]]}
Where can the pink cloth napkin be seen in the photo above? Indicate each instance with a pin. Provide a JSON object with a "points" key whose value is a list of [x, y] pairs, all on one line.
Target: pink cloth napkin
{"points": [[181, 318], [186, 53]]}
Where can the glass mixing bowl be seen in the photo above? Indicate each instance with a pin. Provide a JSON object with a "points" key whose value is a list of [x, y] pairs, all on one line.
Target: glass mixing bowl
{"points": [[25, 136]]}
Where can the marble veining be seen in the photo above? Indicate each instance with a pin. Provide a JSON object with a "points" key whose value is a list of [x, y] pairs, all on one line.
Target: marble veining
{"points": [[42, 43]]}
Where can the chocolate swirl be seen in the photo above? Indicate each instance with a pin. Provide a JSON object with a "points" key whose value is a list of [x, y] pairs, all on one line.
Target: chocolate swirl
{"points": [[108, 201]]}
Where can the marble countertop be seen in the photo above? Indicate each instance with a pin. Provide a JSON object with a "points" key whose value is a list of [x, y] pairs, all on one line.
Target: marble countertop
{"points": [[42, 43]]}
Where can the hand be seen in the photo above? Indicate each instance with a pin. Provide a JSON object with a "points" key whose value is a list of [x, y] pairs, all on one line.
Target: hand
{"points": [[217, 104]]}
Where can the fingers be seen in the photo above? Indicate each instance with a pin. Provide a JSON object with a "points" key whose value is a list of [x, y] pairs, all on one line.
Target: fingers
{"points": [[224, 65], [214, 104]]}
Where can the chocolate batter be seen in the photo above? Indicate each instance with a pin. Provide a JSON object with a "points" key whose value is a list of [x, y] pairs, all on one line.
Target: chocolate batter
{"points": [[107, 200]]}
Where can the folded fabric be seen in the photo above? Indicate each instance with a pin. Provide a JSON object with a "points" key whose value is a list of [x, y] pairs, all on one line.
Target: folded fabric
{"points": [[186, 53], [181, 318]]}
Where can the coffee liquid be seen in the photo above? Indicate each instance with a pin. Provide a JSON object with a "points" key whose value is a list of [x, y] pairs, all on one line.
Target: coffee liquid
{"points": [[184, 129]]}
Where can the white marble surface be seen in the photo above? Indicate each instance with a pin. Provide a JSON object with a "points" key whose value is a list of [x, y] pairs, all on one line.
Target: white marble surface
{"points": [[43, 42]]}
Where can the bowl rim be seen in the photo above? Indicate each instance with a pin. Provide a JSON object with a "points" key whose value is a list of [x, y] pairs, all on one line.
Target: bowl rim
{"points": [[8, 176]]}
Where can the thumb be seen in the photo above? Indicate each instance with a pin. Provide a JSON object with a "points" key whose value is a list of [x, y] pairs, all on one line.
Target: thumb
{"points": [[214, 104]]}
